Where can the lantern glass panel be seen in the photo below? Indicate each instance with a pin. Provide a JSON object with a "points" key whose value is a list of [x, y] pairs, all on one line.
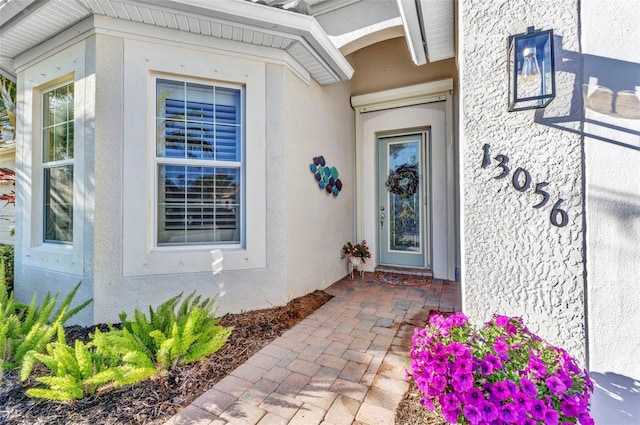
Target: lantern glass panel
{"points": [[531, 70]]}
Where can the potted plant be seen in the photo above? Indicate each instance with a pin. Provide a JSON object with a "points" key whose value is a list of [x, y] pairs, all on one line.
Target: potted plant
{"points": [[358, 253]]}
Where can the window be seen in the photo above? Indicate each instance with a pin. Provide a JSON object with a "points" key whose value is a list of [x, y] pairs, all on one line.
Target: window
{"points": [[57, 163], [199, 163]]}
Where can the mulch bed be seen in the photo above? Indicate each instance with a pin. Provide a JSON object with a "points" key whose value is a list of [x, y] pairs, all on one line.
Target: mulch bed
{"points": [[155, 401]]}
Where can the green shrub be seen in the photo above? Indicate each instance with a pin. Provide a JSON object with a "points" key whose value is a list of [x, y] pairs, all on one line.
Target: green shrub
{"points": [[30, 328], [144, 347], [112, 359], [178, 337], [6, 259]]}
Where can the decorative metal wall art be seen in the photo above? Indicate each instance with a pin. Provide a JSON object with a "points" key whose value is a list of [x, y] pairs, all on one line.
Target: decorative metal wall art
{"points": [[521, 181], [327, 177]]}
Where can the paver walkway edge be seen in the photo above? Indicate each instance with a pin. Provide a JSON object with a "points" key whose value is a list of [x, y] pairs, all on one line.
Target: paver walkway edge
{"points": [[343, 364]]}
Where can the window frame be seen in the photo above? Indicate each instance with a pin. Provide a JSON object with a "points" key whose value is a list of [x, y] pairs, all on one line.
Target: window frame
{"points": [[143, 61], [159, 161], [60, 68], [49, 165]]}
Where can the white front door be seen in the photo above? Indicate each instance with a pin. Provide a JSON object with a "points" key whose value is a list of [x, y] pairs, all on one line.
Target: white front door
{"points": [[402, 190]]}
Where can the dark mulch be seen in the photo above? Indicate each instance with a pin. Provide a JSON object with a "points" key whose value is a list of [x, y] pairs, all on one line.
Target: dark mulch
{"points": [[156, 400]]}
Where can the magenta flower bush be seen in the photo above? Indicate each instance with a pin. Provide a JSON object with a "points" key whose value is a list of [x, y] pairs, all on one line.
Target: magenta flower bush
{"points": [[499, 374]]}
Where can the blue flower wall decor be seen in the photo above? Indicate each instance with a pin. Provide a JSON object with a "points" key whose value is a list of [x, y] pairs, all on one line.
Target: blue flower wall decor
{"points": [[327, 177]]}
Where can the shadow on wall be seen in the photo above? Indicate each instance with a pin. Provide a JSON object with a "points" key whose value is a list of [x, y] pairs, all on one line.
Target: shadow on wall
{"points": [[605, 98], [616, 399]]}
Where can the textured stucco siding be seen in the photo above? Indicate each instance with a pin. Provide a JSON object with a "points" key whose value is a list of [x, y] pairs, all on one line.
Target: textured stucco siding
{"points": [[515, 261]]}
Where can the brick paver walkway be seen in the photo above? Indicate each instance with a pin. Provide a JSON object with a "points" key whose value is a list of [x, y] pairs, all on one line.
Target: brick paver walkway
{"points": [[344, 364]]}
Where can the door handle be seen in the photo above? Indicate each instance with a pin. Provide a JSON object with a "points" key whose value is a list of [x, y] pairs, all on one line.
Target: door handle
{"points": [[382, 216]]}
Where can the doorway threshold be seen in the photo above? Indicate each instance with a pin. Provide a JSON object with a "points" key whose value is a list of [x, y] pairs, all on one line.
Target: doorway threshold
{"points": [[412, 271]]}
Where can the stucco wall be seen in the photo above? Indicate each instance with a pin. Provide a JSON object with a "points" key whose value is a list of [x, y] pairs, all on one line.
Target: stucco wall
{"points": [[283, 112], [54, 268], [515, 261], [612, 144], [387, 65], [317, 121]]}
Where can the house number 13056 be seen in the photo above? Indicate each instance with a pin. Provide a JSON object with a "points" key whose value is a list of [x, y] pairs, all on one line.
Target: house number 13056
{"points": [[521, 181]]}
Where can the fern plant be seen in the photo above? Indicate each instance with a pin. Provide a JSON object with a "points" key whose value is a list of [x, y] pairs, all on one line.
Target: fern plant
{"points": [[112, 359], [178, 336], [30, 328]]}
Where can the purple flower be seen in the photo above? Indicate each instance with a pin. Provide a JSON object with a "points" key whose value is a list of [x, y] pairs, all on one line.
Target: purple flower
{"points": [[486, 367], [462, 381], [538, 409], [489, 411], [528, 387], [456, 349], [500, 346], [495, 362], [436, 320], [537, 366], [585, 419], [501, 390], [529, 421], [513, 387], [450, 402], [521, 400], [472, 413], [551, 417], [451, 416], [439, 350], [459, 319], [463, 364], [474, 396], [568, 409], [555, 384], [502, 321], [439, 382], [508, 413], [426, 402]]}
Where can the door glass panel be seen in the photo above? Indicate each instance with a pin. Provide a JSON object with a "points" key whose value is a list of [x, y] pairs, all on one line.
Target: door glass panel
{"points": [[404, 197]]}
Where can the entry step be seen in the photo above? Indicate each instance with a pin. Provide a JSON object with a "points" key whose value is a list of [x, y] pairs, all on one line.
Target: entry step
{"points": [[412, 271]]}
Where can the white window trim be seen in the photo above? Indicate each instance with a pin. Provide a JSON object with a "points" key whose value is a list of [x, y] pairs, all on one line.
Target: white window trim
{"points": [[62, 68], [202, 163], [143, 61]]}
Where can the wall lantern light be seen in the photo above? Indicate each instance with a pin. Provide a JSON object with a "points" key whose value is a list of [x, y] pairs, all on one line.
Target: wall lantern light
{"points": [[532, 82]]}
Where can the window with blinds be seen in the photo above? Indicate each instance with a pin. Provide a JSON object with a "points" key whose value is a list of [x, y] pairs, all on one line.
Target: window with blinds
{"points": [[199, 139]]}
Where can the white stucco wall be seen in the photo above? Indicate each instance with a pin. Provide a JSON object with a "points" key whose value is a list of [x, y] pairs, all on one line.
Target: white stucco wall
{"points": [[122, 269], [612, 145], [317, 121], [42, 267], [515, 261]]}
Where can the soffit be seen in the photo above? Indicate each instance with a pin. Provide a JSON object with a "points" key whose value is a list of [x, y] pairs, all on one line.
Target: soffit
{"points": [[245, 22], [429, 29]]}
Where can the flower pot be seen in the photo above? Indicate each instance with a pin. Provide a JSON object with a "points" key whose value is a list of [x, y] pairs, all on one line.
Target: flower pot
{"points": [[356, 264]]}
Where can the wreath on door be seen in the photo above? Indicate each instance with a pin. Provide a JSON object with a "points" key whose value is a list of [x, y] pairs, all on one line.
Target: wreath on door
{"points": [[403, 181]]}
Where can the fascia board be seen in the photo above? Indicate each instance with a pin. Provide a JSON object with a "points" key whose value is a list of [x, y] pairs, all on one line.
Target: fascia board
{"points": [[271, 19], [413, 33]]}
